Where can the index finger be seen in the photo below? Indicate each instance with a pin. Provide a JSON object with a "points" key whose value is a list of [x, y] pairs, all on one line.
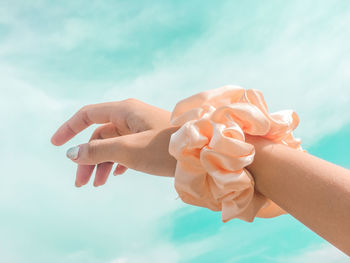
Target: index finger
{"points": [[86, 116]]}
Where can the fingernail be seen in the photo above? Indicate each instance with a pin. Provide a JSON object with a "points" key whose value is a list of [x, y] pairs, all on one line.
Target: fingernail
{"points": [[73, 153]]}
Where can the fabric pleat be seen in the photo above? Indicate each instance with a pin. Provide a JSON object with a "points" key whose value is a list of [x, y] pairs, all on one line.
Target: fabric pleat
{"points": [[212, 154]]}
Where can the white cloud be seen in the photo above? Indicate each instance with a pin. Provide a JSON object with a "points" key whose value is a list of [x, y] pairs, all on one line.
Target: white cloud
{"points": [[159, 254], [75, 32], [303, 64], [167, 251], [324, 253], [302, 67], [37, 186]]}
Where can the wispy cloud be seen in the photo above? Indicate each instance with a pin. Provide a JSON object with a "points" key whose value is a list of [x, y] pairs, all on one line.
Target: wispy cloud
{"points": [[299, 57], [56, 57], [322, 253]]}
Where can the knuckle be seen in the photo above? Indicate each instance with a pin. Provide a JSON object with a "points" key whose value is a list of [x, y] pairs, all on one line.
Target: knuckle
{"points": [[131, 100], [93, 150], [84, 108], [83, 114]]}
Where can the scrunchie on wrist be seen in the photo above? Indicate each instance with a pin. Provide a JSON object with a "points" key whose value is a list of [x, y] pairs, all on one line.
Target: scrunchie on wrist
{"points": [[212, 154]]}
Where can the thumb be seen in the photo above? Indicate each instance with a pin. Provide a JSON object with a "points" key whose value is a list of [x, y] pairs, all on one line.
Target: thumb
{"points": [[99, 151]]}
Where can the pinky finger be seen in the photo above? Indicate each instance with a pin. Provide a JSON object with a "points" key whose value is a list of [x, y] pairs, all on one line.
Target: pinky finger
{"points": [[120, 169]]}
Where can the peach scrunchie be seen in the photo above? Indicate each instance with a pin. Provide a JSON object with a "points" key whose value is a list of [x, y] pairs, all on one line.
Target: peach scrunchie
{"points": [[211, 151]]}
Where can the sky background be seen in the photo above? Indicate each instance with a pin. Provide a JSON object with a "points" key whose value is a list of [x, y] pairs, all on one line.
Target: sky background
{"points": [[56, 56]]}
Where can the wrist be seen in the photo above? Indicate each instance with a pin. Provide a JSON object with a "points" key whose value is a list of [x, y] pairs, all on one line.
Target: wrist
{"points": [[262, 157], [171, 161]]}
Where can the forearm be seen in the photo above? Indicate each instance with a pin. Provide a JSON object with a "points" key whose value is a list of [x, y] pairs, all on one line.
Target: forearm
{"points": [[314, 191]]}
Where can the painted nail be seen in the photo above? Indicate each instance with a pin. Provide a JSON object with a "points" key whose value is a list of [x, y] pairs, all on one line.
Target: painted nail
{"points": [[73, 153]]}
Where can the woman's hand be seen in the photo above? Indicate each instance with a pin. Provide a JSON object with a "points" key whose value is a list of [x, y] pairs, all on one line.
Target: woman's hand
{"points": [[120, 120]]}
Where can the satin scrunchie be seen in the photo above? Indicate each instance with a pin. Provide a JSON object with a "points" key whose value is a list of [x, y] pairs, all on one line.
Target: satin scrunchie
{"points": [[212, 154]]}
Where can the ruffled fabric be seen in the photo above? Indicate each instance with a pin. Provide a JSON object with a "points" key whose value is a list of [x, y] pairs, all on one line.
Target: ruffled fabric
{"points": [[212, 154]]}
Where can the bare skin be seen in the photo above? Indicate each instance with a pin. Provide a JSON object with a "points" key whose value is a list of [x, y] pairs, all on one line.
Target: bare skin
{"points": [[119, 118], [136, 135], [314, 191]]}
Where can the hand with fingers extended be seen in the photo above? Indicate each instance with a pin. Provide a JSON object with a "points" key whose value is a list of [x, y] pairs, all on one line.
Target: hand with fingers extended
{"points": [[134, 134]]}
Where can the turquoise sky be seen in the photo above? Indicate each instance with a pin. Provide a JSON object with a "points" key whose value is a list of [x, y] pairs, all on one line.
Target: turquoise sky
{"points": [[56, 56]]}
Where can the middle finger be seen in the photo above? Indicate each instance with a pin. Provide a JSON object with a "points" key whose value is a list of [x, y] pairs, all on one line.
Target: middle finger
{"points": [[84, 172]]}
